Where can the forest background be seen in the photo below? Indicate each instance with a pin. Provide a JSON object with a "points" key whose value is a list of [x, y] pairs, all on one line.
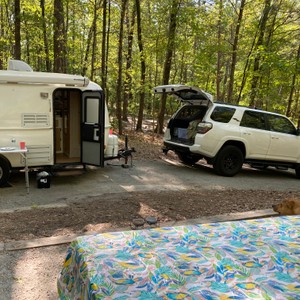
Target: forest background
{"points": [[241, 51]]}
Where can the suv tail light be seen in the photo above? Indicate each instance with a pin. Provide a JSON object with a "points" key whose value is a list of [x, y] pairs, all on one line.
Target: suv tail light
{"points": [[203, 128]]}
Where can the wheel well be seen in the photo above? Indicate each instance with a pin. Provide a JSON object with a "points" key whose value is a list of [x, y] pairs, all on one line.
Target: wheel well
{"points": [[237, 144], [6, 160]]}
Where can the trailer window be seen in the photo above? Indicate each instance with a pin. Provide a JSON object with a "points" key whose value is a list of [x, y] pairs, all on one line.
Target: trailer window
{"points": [[92, 111]]}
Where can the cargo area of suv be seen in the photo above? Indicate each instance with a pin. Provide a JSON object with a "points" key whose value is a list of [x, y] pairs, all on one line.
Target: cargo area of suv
{"points": [[182, 129], [183, 123]]}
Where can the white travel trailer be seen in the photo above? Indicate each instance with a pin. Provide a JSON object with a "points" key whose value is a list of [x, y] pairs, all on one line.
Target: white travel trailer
{"points": [[62, 119]]}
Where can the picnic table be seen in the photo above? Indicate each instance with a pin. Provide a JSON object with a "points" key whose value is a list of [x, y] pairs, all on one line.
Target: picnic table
{"points": [[247, 259]]}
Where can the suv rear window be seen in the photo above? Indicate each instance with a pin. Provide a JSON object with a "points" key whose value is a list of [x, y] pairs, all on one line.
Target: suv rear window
{"points": [[222, 114], [191, 112]]}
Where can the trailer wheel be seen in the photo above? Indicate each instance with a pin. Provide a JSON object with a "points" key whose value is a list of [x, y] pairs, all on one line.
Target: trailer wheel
{"points": [[4, 171]]}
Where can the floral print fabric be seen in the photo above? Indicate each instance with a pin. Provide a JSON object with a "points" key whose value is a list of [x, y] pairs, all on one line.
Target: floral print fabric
{"points": [[249, 259]]}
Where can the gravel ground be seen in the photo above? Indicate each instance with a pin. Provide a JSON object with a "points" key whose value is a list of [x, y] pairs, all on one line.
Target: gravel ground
{"points": [[30, 274], [112, 211]]}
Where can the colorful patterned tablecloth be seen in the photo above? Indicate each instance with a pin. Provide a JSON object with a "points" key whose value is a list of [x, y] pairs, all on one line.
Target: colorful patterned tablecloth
{"points": [[251, 259]]}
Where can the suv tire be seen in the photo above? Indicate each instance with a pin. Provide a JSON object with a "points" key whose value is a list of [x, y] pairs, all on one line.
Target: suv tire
{"points": [[4, 171], [229, 161]]}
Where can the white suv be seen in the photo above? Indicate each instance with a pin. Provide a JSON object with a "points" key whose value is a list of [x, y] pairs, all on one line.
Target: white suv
{"points": [[229, 135]]}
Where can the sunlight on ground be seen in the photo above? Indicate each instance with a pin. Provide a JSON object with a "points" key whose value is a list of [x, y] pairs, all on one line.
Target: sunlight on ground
{"points": [[146, 211], [35, 273], [99, 228]]}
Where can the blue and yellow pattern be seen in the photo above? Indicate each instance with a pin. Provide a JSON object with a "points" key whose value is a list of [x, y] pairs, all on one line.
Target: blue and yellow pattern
{"points": [[251, 259]]}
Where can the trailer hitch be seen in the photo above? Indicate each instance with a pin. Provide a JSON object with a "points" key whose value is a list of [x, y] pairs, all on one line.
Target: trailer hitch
{"points": [[126, 153]]}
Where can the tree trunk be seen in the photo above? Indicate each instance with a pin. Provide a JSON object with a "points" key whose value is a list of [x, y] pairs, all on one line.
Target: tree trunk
{"points": [[17, 54], [234, 51], [87, 51], [168, 62], [103, 48], [91, 39], [219, 54], [120, 68], [290, 101], [259, 44], [107, 50], [246, 69], [128, 79], [46, 43], [143, 67], [28, 44], [94, 39], [59, 37]]}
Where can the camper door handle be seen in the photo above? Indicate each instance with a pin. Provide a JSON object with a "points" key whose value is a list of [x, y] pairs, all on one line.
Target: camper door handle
{"points": [[96, 134]]}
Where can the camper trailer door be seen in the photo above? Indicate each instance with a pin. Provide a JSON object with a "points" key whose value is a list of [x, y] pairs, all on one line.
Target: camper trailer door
{"points": [[92, 129]]}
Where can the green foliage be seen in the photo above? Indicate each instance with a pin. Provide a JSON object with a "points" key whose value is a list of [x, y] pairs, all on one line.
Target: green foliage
{"points": [[205, 31]]}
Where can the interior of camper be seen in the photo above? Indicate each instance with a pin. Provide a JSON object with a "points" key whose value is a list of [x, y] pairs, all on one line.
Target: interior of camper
{"points": [[67, 119]]}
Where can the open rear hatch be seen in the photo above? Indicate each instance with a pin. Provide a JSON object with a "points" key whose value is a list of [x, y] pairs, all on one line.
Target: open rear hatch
{"points": [[182, 126], [184, 93]]}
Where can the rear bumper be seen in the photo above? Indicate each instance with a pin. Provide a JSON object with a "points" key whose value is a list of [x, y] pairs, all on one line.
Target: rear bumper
{"points": [[194, 149], [175, 147]]}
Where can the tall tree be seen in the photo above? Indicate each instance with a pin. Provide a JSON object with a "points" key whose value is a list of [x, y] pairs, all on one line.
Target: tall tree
{"points": [[107, 51], [103, 47], [168, 61], [143, 67], [219, 53], [128, 76], [59, 37], [246, 69], [120, 67], [91, 41], [259, 46], [46, 43], [293, 83], [94, 41], [234, 51], [17, 30]]}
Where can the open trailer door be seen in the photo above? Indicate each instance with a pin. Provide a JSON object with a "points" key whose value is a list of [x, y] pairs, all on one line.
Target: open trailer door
{"points": [[92, 129]]}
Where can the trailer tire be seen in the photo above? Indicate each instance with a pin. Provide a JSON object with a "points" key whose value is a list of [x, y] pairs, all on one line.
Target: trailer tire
{"points": [[4, 171]]}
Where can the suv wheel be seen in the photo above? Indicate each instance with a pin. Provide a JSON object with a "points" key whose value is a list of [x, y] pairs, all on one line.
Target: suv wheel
{"points": [[297, 170], [4, 171], [188, 158], [229, 161]]}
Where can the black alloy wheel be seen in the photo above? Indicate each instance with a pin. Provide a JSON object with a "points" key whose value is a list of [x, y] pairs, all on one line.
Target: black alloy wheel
{"points": [[229, 161]]}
